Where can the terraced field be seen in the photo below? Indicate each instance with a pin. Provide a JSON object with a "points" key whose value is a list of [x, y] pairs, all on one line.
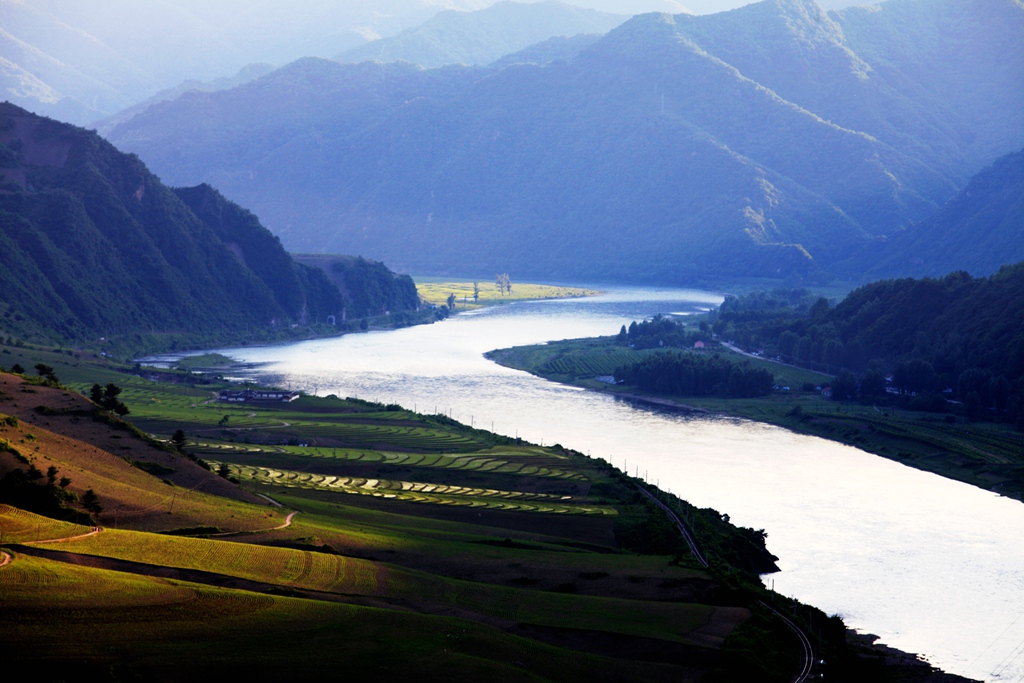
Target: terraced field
{"points": [[419, 492], [445, 543], [522, 460]]}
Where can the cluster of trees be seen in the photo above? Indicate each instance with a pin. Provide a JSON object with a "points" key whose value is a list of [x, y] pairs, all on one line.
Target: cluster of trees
{"points": [[45, 494], [107, 398], [687, 374], [957, 337], [661, 331], [503, 282]]}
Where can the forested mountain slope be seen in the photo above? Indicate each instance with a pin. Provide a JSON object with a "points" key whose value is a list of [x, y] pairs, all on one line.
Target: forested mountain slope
{"points": [[93, 245], [979, 230]]}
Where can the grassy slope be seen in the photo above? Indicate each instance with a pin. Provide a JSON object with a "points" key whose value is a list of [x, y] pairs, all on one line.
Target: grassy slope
{"points": [[463, 531], [987, 455]]}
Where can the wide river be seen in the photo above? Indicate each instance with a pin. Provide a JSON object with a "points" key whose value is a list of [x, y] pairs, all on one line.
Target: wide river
{"points": [[930, 565]]}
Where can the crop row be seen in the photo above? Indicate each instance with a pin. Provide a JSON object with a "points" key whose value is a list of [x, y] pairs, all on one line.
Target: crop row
{"points": [[18, 526], [284, 566], [587, 364], [473, 462], [419, 492]]}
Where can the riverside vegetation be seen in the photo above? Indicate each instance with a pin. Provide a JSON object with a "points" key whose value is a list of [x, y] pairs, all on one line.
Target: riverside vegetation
{"points": [[396, 543], [927, 372]]}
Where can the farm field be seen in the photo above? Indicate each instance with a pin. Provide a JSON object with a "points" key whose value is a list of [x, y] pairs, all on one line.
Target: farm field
{"points": [[164, 629], [436, 291], [292, 522]]}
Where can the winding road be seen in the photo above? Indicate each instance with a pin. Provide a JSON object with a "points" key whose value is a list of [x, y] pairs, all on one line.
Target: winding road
{"points": [[687, 536], [807, 661]]}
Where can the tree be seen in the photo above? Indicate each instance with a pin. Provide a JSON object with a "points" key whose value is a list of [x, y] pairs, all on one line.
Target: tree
{"points": [[178, 439], [844, 386], [51, 475], [107, 398], [451, 302], [504, 283], [17, 369], [224, 470], [46, 372], [476, 291], [91, 502]]}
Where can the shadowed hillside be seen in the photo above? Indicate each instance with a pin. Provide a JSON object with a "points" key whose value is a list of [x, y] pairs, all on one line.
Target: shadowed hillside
{"points": [[94, 245]]}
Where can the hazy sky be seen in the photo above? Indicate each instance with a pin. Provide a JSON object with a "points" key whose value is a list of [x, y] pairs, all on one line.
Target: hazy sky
{"points": [[694, 6]]}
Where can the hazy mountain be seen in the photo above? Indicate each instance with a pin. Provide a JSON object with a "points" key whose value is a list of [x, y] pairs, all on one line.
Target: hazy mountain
{"points": [[483, 36], [246, 74], [85, 60], [92, 244], [559, 48], [979, 230], [772, 139]]}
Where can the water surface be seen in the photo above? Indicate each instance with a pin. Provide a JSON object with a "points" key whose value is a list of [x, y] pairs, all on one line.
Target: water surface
{"points": [[930, 565]]}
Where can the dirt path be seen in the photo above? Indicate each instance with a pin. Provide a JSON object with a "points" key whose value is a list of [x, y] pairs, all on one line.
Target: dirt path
{"points": [[5, 559], [287, 523], [270, 500], [95, 530]]}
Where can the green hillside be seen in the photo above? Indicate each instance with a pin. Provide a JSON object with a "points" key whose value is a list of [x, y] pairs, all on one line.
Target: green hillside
{"points": [[95, 250]]}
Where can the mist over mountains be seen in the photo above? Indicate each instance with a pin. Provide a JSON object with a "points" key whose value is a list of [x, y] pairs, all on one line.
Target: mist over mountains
{"points": [[770, 140], [481, 37], [81, 61]]}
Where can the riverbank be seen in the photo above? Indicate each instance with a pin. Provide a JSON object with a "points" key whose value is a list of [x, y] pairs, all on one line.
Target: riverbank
{"points": [[987, 455]]}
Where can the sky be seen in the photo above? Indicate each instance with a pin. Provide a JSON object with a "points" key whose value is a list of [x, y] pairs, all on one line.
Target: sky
{"points": [[692, 6]]}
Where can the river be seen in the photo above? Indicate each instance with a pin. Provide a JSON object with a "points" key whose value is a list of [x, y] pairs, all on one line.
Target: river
{"points": [[930, 565]]}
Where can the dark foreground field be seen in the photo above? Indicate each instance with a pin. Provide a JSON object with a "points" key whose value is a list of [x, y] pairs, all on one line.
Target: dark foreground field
{"points": [[327, 538]]}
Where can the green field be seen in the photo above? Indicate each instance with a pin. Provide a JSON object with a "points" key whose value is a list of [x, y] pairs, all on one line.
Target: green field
{"points": [[436, 291], [485, 557]]}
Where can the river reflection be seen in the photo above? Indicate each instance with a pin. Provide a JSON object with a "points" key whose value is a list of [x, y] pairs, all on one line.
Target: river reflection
{"points": [[930, 565]]}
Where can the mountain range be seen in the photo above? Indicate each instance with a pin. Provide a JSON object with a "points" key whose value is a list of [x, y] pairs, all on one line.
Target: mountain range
{"points": [[776, 139], [93, 245], [80, 61], [979, 229], [483, 36]]}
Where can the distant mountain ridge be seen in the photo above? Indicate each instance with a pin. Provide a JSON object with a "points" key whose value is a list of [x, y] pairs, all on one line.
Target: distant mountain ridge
{"points": [[979, 230], [93, 245], [775, 140], [480, 37], [82, 61]]}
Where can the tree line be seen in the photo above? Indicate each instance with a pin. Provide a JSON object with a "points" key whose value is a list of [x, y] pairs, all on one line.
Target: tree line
{"points": [[687, 374], [919, 342]]}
